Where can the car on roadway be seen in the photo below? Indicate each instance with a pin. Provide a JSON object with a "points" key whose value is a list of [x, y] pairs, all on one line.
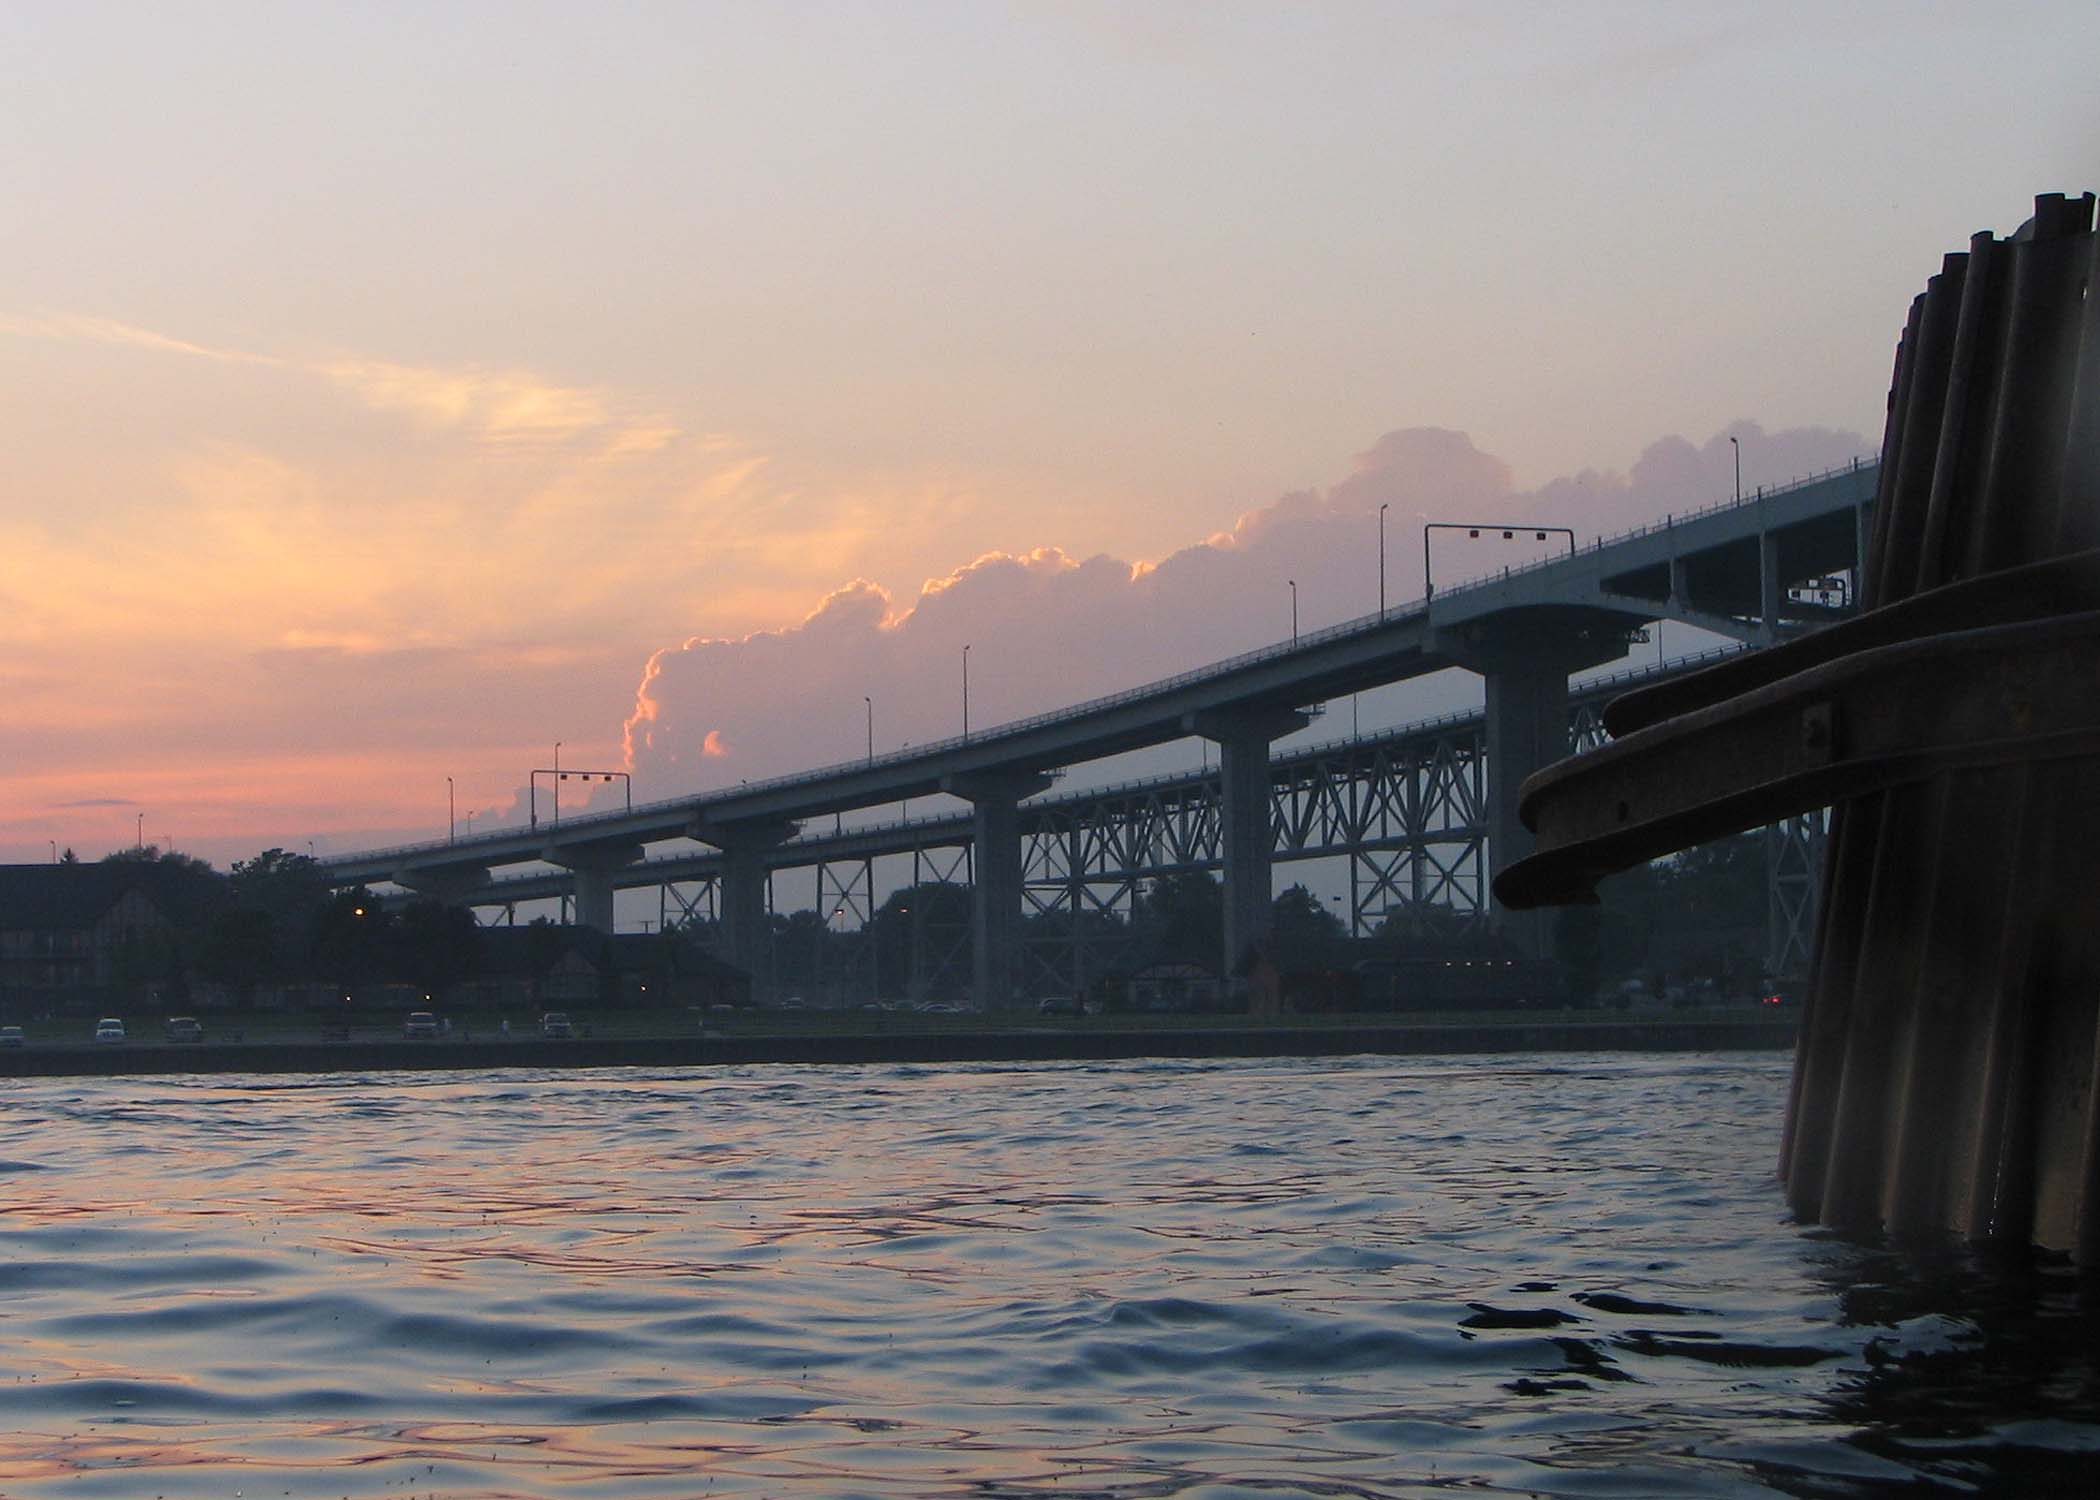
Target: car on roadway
{"points": [[109, 1029], [420, 1024], [183, 1029], [556, 1023], [11, 1036]]}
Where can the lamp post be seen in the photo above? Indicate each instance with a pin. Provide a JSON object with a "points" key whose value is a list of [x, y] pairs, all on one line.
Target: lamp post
{"points": [[557, 781], [1294, 609], [1381, 562], [142, 831], [966, 691], [1738, 447], [54, 849], [451, 813], [871, 726]]}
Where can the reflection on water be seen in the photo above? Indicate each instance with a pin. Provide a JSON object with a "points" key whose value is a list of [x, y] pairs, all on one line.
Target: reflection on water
{"points": [[1566, 1276]]}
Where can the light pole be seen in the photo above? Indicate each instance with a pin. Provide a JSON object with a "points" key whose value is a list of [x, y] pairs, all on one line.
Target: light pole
{"points": [[966, 691], [451, 813], [557, 781], [871, 726], [54, 849], [1294, 609], [142, 831], [1381, 562], [470, 822], [1738, 447]]}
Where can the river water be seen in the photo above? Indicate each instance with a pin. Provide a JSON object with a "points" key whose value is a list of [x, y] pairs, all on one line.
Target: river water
{"points": [[1565, 1276]]}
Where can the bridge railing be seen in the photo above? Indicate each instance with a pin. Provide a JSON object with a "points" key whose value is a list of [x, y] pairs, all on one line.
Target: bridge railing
{"points": [[1014, 728]]}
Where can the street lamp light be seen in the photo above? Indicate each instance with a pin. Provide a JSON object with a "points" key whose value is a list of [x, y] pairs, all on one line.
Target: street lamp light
{"points": [[871, 726], [1294, 609], [966, 691], [1738, 447], [557, 781], [451, 813]]}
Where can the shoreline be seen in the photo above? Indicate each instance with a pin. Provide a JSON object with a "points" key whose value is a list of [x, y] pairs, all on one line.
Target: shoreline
{"points": [[132, 1060]]}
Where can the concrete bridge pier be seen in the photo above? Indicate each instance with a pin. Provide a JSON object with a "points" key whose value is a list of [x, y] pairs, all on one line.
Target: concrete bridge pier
{"points": [[1527, 668], [591, 867], [1247, 832], [995, 893], [742, 883]]}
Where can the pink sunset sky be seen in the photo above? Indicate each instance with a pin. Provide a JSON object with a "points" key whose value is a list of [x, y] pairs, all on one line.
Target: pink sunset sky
{"points": [[391, 392]]}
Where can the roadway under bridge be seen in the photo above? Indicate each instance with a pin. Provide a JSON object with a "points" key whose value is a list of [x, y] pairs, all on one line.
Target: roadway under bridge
{"points": [[1425, 814]]}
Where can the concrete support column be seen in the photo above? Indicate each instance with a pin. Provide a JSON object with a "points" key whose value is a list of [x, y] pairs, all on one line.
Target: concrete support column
{"points": [[742, 886], [1527, 730], [1246, 835], [1527, 663], [594, 899], [995, 893], [591, 868], [1770, 585]]}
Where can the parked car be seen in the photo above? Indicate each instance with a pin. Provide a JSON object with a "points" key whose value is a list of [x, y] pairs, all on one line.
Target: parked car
{"points": [[556, 1023], [1060, 1005], [11, 1036], [183, 1029], [420, 1023], [109, 1029]]}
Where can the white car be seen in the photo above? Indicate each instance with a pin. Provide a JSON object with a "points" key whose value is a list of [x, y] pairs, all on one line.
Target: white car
{"points": [[420, 1023], [109, 1029]]}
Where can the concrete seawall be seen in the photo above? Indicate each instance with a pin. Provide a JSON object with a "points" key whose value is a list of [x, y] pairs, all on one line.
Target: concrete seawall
{"points": [[968, 1046]]}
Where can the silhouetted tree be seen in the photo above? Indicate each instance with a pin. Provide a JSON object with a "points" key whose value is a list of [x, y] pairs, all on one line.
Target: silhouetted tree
{"points": [[1305, 934], [291, 891], [1182, 917], [434, 946], [351, 938]]}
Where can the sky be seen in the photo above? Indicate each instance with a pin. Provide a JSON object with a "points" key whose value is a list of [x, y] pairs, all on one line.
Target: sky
{"points": [[390, 392]]}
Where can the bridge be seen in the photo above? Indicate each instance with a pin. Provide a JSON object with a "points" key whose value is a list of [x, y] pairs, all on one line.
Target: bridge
{"points": [[1740, 569]]}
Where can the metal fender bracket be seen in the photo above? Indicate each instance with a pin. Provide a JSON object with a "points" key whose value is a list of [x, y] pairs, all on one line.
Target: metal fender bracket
{"points": [[1868, 720], [2060, 586]]}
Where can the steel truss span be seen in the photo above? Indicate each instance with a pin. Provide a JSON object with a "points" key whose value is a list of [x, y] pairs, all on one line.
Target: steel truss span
{"points": [[1406, 808]]}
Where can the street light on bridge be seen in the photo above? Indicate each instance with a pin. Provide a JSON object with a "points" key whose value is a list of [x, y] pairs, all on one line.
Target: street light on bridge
{"points": [[1294, 609], [1738, 447]]}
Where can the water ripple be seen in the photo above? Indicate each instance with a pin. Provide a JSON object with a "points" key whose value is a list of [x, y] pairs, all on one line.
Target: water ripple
{"points": [[1565, 1277]]}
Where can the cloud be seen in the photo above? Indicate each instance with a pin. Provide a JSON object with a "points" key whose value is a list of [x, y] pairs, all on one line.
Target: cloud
{"points": [[1045, 628], [504, 408], [97, 802]]}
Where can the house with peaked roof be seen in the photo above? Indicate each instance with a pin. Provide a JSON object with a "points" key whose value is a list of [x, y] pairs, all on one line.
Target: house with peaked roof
{"points": [[87, 931]]}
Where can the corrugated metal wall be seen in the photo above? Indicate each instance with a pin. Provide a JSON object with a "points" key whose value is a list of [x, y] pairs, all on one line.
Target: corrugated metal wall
{"points": [[1946, 1076]]}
